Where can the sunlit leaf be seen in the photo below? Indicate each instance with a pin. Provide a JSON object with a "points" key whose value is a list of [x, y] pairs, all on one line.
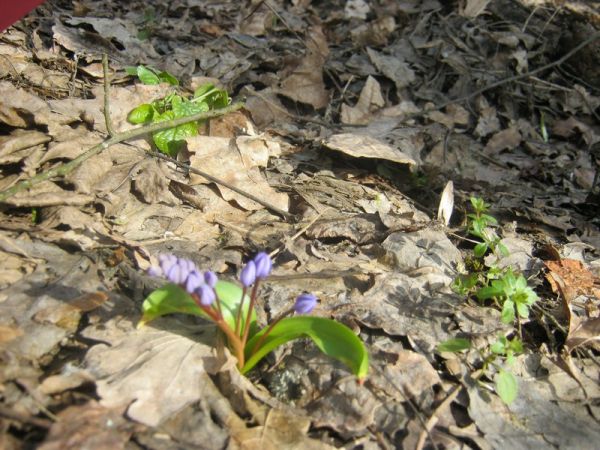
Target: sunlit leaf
{"points": [[147, 76], [506, 386], [331, 337], [141, 114], [171, 299], [480, 249], [508, 312], [166, 77]]}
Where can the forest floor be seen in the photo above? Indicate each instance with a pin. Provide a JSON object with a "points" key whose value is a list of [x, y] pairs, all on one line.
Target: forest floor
{"points": [[367, 130]]}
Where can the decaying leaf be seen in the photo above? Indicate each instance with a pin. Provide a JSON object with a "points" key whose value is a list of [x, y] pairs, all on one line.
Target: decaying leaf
{"points": [[305, 83]]}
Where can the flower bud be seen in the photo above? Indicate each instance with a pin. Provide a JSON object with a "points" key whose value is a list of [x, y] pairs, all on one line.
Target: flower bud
{"points": [[248, 275], [166, 262], [193, 281], [305, 303], [206, 294], [263, 265], [210, 278]]}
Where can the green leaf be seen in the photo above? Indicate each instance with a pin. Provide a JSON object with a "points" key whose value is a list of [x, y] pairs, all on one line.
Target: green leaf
{"points": [[488, 220], [147, 76], [506, 386], [523, 310], [508, 312], [454, 345], [480, 249], [166, 77], [171, 299], [503, 250], [331, 337], [131, 70], [499, 347], [495, 290], [141, 114]]}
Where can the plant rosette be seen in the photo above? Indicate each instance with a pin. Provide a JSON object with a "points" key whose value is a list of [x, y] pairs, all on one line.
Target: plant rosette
{"points": [[232, 309]]}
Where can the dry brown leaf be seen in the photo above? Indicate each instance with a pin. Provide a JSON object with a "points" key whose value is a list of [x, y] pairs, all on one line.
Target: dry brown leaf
{"points": [[393, 67], [454, 115], [361, 146], [265, 107], [21, 109], [305, 83], [224, 159], [473, 8], [88, 426], [503, 140], [370, 100], [576, 277]]}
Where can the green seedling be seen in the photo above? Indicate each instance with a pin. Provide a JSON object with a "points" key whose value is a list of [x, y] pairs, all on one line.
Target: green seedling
{"points": [[173, 106], [511, 293], [495, 363], [232, 309]]}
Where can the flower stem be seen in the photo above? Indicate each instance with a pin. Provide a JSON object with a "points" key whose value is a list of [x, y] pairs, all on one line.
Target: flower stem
{"points": [[250, 309], [238, 318]]}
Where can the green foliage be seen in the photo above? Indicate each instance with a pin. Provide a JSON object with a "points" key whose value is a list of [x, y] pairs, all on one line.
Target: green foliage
{"points": [[512, 293], [171, 299], [506, 386], [174, 106], [332, 338], [507, 289]]}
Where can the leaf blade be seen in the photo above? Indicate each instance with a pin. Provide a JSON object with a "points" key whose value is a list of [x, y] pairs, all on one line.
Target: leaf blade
{"points": [[332, 338]]}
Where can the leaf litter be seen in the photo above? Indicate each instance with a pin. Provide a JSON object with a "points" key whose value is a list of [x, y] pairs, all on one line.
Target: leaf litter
{"points": [[362, 115]]}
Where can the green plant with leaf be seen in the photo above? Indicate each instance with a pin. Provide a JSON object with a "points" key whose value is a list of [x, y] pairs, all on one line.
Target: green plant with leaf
{"points": [[508, 290], [232, 309], [174, 105], [511, 293], [495, 363]]}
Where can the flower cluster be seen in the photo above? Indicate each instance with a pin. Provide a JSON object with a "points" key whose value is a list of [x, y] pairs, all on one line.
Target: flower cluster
{"points": [[185, 273], [201, 287]]}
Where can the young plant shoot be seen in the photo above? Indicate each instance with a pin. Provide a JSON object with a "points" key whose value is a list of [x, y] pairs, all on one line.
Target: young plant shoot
{"points": [[231, 308]]}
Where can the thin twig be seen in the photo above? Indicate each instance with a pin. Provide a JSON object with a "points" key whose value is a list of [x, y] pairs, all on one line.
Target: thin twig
{"points": [[235, 189], [107, 120], [67, 168]]}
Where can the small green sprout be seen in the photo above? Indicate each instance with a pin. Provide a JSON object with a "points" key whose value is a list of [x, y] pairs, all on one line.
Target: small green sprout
{"points": [[511, 293], [232, 309], [174, 106], [503, 349]]}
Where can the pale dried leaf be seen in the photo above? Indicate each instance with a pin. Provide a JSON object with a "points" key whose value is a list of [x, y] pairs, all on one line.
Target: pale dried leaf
{"points": [[361, 146], [370, 100], [473, 8], [221, 158], [305, 84]]}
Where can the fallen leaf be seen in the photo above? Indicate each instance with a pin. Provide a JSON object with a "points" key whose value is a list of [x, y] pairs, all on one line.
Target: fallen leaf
{"points": [[361, 146], [370, 100], [507, 139], [305, 83]]}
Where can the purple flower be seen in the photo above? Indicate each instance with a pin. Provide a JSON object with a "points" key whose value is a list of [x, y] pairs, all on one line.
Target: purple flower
{"points": [[263, 265], [206, 294], [210, 278], [177, 270], [248, 275], [166, 262], [305, 303], [193, 281]]}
